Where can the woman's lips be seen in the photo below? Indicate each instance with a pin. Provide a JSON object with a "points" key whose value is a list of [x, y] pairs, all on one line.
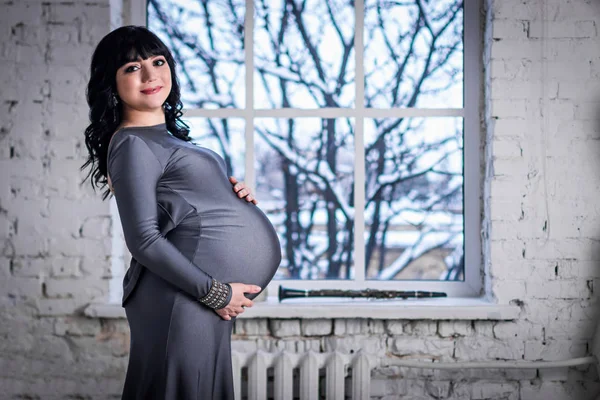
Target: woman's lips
{"points": [[152, 90]]}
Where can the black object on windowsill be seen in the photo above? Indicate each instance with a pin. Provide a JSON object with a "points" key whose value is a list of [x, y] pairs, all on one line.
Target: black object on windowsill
{"points": [[287, 293]]}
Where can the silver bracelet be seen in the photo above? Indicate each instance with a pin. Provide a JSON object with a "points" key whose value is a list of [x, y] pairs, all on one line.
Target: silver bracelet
{"points": [[217, 295]]}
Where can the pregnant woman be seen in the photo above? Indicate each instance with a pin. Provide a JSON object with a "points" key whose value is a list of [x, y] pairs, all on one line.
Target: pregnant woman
{"points": [[200, 254]]}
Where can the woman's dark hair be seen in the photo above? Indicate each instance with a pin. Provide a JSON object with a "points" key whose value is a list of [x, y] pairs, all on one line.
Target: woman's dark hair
{"points": [[123, 45]]}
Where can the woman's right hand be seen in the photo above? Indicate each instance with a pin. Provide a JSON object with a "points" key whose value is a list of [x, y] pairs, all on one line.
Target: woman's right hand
{"points": [[234, 308]]}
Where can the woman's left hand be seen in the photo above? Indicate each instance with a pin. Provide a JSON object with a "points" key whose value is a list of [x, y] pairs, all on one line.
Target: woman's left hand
{"points": [[242, 191]]}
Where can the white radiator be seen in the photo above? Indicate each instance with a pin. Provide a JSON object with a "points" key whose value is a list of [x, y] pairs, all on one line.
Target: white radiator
{"points": [[335, 366], [309, 363]]}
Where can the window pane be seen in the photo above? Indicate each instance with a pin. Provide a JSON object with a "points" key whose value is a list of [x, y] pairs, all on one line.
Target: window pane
{"points": [[305, 184], [206, 39], [414, 199], [413, 54], [304, 54], [223, 136]]}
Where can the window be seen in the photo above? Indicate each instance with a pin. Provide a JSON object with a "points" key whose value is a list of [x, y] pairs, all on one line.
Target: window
{"points": [[356, 123]]}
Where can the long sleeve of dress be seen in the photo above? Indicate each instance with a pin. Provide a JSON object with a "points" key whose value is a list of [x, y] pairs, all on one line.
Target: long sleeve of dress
{"points": [[135, 170]]}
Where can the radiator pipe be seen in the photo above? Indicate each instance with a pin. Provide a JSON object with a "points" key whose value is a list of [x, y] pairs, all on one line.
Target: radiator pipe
{"points": [[500, 364]]}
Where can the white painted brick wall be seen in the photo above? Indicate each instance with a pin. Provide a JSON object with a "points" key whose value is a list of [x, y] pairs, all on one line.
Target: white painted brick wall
{"points": [[542, 231], [541, 223]]}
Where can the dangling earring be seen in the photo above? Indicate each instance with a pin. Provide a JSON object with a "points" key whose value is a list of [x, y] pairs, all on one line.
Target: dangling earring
{"points": [[113, 99], [113, 104]]}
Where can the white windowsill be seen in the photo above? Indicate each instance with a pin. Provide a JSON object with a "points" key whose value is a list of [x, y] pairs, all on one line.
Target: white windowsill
{"points": [[435, 309]]}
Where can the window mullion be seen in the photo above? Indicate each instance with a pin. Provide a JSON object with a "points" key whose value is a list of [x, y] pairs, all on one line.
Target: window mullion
{"points": [[249, 106], [325, 113], [359, 159]]}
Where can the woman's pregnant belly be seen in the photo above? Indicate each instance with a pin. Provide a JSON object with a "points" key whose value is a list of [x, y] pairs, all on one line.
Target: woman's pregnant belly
{"points": [[236, 243], [239, 244]]}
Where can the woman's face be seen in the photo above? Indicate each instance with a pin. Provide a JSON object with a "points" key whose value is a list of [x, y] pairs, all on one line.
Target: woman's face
{"points": [[144, 85]]}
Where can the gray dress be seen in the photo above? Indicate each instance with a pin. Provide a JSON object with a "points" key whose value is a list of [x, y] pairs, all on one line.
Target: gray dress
{"points": [[183, 225]]}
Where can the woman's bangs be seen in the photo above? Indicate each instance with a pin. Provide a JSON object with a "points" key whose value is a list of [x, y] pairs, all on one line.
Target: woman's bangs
{"points": [[138, 48]]}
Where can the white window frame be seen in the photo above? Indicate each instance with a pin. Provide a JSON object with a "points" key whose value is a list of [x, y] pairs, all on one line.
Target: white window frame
{"points": [[472, 286]]}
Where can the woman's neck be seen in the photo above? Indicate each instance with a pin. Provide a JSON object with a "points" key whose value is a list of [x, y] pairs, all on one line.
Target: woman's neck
{"points": [[141, 118]]}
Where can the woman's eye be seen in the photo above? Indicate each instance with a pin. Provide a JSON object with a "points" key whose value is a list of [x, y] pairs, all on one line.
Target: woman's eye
{"points": [[159, 62], [131, 68]]}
